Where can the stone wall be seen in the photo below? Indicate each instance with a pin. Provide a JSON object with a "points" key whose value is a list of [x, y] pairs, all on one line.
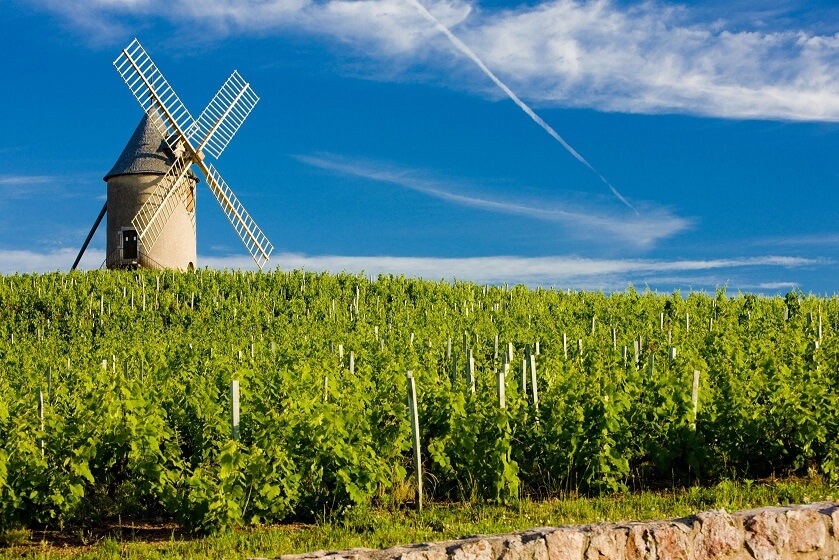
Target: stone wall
{"points": [[809, 532]]}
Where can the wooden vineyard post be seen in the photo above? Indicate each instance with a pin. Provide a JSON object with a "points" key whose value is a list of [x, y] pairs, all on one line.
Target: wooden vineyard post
{"points": [[651, 370], [524, 377], [41, 418], [510, 352], [565, 345], [495, 354], [352, 362], [614, 339], [415, 439], [687, 322], [672, 354], [234, 409], [694, 397], [454, 370], [580, 349], [537, 351], [502, 382], [625, 354]]}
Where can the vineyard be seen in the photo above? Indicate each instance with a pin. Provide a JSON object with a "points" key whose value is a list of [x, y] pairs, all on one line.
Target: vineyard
{"points": [[117, 393]]}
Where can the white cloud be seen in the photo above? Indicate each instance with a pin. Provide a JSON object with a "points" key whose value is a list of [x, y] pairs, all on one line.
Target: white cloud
{"points": [[647, 57], [22, 261], [560, 271], [564, 272], [654, 224]]}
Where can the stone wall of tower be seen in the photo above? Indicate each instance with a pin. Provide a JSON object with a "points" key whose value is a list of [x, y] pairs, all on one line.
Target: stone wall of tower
{"points": [[176, 246]]}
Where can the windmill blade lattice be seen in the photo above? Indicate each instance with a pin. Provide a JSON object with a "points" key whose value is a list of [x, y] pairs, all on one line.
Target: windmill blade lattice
{"points": [[255, 241], [161, 203], [153, 92], [223, 116]]}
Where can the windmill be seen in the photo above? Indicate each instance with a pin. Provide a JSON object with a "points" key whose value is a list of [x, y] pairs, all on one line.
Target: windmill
{"points": [[151, 189]]}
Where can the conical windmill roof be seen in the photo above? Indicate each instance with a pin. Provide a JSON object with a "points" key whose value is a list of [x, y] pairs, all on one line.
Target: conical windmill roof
{"points": [[145, 153]]}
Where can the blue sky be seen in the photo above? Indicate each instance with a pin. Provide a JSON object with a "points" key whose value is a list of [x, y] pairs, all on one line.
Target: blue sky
{"points": [[380, 144]]}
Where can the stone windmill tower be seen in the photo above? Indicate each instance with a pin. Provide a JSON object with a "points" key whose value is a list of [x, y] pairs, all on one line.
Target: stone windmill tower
{"points": [[142, 164], [151, 188]]}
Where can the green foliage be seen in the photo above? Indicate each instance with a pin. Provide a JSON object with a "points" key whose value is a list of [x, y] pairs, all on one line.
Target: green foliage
{"points": [[150, 434]]}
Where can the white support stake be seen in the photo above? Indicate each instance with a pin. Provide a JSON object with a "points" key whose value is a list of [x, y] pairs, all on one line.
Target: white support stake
{"points": [[502, 382], [694, 396], [412, 406], [234, 409], [470, 371], [533, 382]]}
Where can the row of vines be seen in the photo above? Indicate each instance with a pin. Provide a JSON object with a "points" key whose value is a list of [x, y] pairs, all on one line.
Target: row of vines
{"points": [[114, 393]]}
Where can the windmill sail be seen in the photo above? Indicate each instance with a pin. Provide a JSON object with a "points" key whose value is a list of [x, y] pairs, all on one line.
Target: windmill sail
{"points": [[255, 241], [153, 92], [223, 116]]}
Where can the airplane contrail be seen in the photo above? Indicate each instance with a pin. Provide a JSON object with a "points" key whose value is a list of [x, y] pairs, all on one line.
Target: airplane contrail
{"points": [[464, 48]]}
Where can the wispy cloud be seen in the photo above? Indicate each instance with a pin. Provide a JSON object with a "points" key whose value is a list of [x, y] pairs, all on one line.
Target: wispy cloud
{"points": [[22, 187], [644, 57], [654, 224], [14, 180], [811, 240]]}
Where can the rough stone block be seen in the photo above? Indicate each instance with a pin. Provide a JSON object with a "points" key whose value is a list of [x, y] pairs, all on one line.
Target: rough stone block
{"points": [[566, 543], [719, 535]]}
